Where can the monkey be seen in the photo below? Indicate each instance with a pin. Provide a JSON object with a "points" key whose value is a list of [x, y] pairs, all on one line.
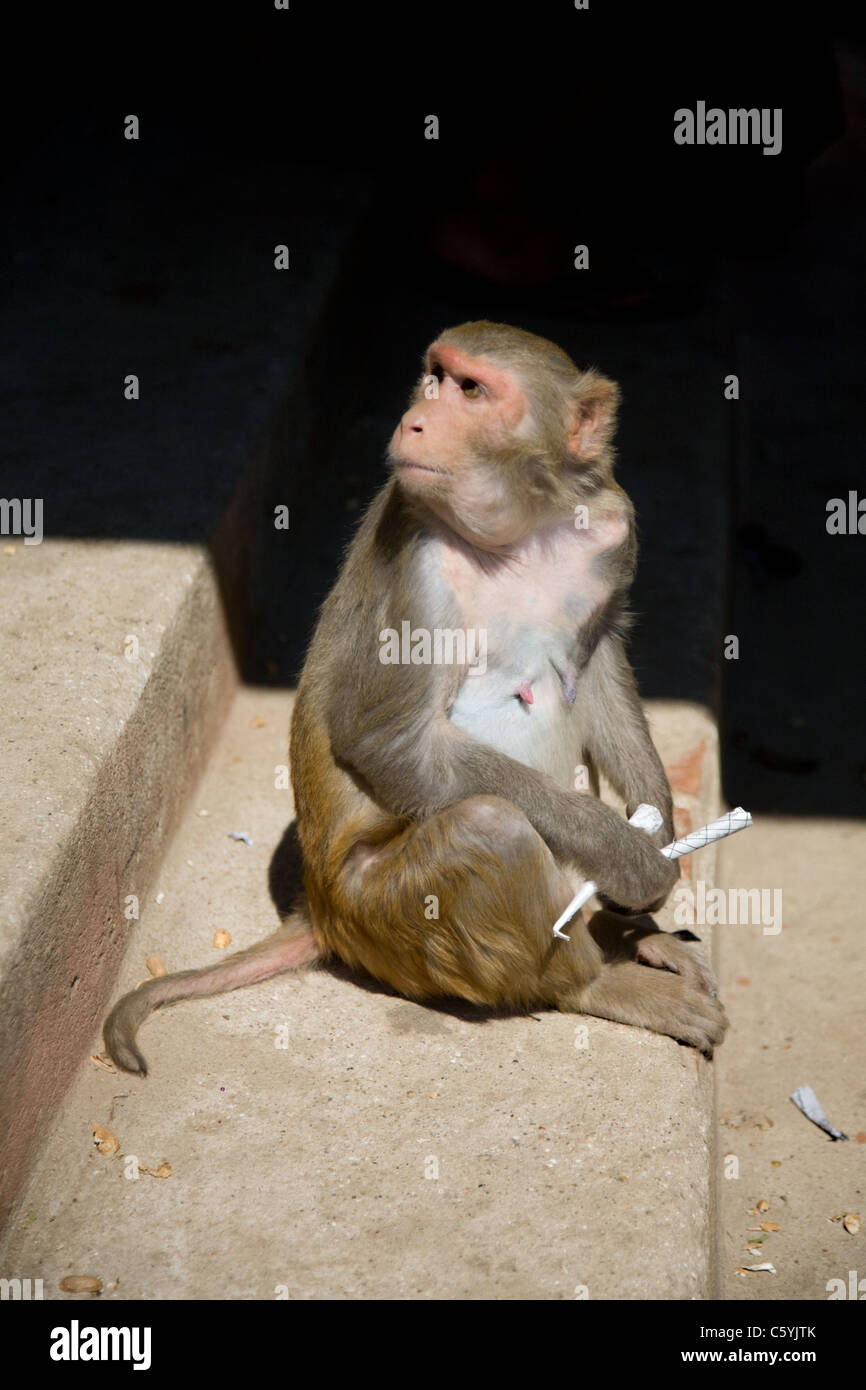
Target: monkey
{"points": [[436, 807]]}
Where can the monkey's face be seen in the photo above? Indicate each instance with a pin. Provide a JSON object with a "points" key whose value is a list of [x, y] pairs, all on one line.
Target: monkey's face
{"points": [[447, 451]]}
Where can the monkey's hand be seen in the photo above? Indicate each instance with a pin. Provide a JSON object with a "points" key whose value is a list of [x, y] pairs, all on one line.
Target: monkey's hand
{"points": [[635, 876], [662, 837]]}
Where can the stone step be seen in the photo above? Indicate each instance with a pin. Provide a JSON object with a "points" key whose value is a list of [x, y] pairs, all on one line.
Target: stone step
{"points": [[336, 1141], [123, 632]]}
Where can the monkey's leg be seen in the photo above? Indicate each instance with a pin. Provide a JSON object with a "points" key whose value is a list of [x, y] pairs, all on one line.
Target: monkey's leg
{"points": [[288, 948], [629, 992], [460, 903]]}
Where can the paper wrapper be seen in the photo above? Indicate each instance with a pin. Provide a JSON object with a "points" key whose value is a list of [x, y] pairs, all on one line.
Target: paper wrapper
{"points": [[805, 1099], [735, 820], [648, 818]]}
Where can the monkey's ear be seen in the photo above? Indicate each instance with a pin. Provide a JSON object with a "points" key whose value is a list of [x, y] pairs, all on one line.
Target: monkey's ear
{"points": [[593, 416]]}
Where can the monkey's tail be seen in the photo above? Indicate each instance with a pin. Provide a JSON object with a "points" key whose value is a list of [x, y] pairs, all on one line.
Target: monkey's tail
{"points": [[288, 948]]}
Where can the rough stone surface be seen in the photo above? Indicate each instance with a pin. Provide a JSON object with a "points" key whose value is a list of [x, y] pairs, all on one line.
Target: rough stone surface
{"points": [[90, 805], [391, 1150], [795, 999]]}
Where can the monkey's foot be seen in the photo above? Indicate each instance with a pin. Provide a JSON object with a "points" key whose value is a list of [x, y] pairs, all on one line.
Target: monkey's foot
{"points": [[627, 992], [666, 952]]}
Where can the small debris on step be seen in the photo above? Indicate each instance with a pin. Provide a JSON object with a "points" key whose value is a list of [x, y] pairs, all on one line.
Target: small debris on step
{"points": [[850, 1220], [805, 1099], [105, 1141], [103, 1063], [163, 1171], [81, 1283]]}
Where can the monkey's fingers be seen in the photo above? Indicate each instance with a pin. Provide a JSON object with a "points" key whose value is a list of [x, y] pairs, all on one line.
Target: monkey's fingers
{"points": [[666, 952]]}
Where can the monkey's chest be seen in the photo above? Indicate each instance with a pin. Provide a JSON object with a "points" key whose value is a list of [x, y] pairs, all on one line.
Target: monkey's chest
{"points": [[525, 623], [521, 701]]}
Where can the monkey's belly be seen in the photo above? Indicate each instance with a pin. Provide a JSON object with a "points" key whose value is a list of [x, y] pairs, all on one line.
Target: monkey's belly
{"points": [[543, 734]]}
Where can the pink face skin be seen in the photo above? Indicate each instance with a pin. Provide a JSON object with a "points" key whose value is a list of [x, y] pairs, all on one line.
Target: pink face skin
{"points": [[434, 448]]}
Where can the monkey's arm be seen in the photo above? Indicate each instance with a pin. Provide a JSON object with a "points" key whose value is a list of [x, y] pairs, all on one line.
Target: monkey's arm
{"points": [[616, 735], [392, 730]]}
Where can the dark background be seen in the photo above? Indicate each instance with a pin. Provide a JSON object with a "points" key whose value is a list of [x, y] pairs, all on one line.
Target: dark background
{"points": [[556, 129]]}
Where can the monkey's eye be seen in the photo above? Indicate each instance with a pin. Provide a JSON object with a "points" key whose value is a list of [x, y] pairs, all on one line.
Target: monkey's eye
{"points": [[471, 389], [437, 371]]}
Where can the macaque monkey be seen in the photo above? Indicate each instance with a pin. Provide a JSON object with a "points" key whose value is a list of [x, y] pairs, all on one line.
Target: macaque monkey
{"points": [[437, 814]]}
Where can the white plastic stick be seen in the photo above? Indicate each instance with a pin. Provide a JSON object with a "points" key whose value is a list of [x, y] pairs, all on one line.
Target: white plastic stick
{"points": [[646, 817], [729, 824]]}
